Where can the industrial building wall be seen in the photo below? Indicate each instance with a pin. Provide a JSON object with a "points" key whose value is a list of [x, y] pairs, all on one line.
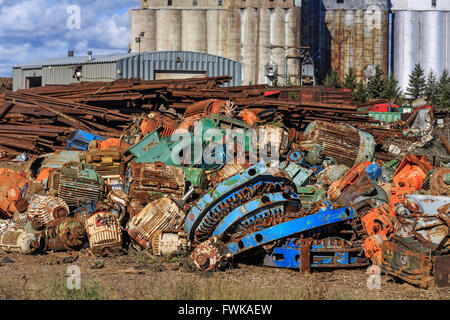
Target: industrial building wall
{"points": [[64, 74], [179, 64], [253, 32], [421, 35]]}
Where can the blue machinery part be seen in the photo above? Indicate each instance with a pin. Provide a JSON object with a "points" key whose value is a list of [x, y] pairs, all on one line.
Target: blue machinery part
{"points": [[80, 139], [213, 252], [325, 216], [220, 200], [305, 254], [262, 207]]}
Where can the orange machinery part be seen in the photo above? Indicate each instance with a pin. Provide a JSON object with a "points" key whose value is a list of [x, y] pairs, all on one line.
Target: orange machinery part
{"points": [[337, 187], [11, 200], [111, 143], [408, 178]]}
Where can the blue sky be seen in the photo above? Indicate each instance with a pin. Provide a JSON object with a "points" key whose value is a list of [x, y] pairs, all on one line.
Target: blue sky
{"points": [[37, 29]]}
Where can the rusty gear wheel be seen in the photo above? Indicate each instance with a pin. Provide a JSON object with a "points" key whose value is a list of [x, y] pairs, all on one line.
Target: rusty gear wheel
{"points": [[210, 255]]}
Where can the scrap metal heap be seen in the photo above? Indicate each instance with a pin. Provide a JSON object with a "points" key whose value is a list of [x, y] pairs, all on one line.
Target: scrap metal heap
{"points": [[324, 186]]}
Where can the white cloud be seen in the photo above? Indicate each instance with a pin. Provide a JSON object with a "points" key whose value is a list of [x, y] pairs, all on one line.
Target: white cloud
{"points": [[36, 29]]}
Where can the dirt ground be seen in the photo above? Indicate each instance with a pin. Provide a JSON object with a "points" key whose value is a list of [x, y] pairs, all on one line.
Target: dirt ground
{"points": [[139, 275]]}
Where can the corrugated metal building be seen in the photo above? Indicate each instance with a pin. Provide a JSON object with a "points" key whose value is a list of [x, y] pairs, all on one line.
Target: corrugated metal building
{"points": [[147, 65]]}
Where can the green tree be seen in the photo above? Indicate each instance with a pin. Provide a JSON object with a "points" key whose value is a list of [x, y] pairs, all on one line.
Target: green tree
{"points": [[275, 82], [416, 85], [431, 89], [359, 95], [332, 80], [392, 91], [350, 80], [443, 90], [376, 86]]}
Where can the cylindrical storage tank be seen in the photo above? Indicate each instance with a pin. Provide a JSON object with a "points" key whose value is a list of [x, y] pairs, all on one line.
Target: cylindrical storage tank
{"points": [[143, 21], [293, 40], [433, 41], [193, 30], [358, 49], [335, 24], [277, 38], [216, 37], [234, 34], [381, 41], [222, 34], [368, 50], [249, 45], [447, 35], [348, 41], [264, 43], [406, 45], [168, 30]]}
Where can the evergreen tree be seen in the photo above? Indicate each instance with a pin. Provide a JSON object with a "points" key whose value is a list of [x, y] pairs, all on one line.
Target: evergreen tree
{"points": [[416, 84], [376, 86], [350, 80], [359, 95], [443, 90], [431, 89], [392, 91], [332, 80]]}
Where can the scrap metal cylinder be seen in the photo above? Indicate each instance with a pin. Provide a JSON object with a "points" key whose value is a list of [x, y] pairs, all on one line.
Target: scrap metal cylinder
{"points": [[20, 241], [43, 209], [161, 214], [168, 242], [345, 144], [64, 234], [104, 232]]}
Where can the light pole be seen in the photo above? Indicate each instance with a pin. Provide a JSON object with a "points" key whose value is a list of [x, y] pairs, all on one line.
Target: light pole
{"points": [[138, 40]]}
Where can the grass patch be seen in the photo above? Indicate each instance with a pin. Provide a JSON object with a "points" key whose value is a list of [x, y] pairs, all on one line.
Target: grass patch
{"points": [[146, 257], [57, 290]]}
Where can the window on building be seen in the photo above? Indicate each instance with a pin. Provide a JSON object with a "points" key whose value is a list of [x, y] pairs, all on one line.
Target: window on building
{"points": [[340, 1], [194, 2], [433, 3], [220, 2], [169, 2]]}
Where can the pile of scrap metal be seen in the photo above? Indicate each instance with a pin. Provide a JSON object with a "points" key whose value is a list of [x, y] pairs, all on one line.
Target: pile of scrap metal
{"points": [[44, 117], [326, 196]]}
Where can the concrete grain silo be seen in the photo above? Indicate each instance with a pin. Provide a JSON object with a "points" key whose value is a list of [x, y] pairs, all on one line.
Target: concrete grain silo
{"points": [[254, 32], [346, 34], [421, 34]]}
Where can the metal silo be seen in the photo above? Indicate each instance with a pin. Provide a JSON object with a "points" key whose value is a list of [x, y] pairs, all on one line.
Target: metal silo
{"points": [[421, 35], [406, 44], [433, 42]]}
